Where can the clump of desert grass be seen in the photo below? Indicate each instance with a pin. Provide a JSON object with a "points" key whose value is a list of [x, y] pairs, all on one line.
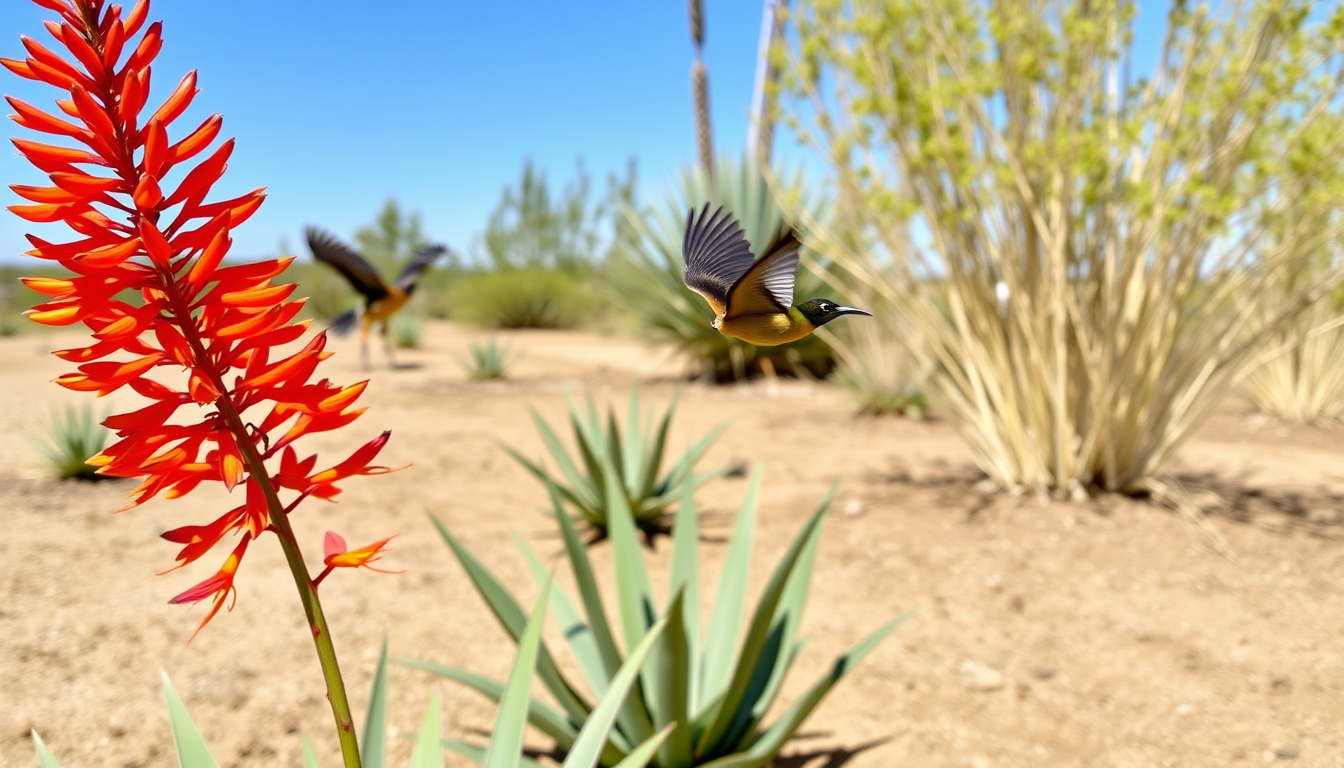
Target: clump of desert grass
{"points": [[488, 360], [73, 436]]}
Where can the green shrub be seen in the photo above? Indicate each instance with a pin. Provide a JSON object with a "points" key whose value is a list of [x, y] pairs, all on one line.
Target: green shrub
{"points": [[488, 360], [649, 278], [74, 436], [635, 460], [520, 298], [712, 690]]}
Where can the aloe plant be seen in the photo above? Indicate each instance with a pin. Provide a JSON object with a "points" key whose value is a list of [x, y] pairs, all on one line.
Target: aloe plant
{"points": [[75, 436], [505, 747], [634, 459], [487, 360], [711, 690]]}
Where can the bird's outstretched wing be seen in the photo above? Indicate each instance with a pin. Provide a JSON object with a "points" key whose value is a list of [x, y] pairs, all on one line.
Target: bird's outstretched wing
{"points": [[767, 285], [423, 258], [353, 267], [717, 254]]}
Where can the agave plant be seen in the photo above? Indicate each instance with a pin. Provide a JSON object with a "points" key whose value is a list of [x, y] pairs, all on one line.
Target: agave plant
{"points": [[75, 435], [506, 741], [711, 689], [406, 330], [633, 461], [650, 278], [487, 360]]}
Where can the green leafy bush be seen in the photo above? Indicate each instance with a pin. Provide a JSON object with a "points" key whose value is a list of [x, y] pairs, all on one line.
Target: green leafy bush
{"points": [[710, 689], [634, 461], [648, 277], [74, 436]]}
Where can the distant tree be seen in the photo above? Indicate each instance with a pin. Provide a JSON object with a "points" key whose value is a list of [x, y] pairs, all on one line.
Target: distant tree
{"points": [[531, 228], [622, 197], [392, 238]]}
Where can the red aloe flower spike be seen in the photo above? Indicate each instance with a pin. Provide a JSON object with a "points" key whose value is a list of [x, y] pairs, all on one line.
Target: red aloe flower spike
{"points": [[217, 325]]}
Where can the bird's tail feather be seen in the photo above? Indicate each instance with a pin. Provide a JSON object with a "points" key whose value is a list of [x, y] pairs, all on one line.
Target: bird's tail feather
{"points": [[344, 322]]}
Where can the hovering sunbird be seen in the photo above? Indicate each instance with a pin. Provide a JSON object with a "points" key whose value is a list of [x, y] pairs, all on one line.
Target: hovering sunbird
{"points": [[381, 299], [751, 297]]}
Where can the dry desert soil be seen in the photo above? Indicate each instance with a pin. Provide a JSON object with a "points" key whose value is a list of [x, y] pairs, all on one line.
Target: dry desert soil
{"points": [[1106, 632]]}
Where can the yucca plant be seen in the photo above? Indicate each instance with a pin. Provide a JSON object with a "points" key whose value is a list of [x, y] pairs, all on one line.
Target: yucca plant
{"points": [[633, 459], [406, 330], [487, 360], [712, 689], [650, 281], [506, 739], [74, 436]]}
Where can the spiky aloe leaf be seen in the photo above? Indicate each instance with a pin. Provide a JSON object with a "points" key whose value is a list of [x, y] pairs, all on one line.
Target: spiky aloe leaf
{"points": [[575, 630], [633, 720], [671, 666], [428, 751], [511, 617], [686, 582], [506, 739], [310, 754], [764, 749], [44, 756], [191, 749], [544, 718], [775, 659], [592, 743], [726, 619], [373, 747], [759, 631]]}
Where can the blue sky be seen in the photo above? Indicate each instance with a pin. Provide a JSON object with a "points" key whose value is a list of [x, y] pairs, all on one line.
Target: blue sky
{"points": [[339, 105]]}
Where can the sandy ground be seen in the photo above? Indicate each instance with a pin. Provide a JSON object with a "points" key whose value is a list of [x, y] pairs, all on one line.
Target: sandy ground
{"points": [[1104, 633]]}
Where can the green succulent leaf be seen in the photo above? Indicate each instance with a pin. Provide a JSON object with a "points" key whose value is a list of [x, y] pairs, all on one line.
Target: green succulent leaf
{"points": [[373, 747], [511, 617], [506, 740], [310, 754], [44, 756], [191, 749], [428, 751]]}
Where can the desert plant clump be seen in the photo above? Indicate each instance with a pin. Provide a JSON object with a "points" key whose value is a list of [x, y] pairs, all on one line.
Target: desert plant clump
{"points": [[710, 691], [488, 360], [874, 363], [1079, 252], [649, 279], [74, 436], [511, 298], [406, 330], [633, 461]]}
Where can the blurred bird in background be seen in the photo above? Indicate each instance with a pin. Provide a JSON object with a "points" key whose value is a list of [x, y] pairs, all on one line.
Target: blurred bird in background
{"points": [[382, 300], [751, 297]]}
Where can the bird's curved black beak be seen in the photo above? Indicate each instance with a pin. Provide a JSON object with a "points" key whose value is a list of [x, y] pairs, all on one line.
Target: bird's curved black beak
{"points": [[851, 311]]}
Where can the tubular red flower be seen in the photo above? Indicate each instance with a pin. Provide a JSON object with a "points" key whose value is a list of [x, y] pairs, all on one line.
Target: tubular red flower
{"points": [[217, 325], [338, 555]]}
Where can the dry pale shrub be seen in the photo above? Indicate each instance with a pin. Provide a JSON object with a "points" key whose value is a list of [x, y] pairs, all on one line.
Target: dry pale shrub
{"points": [[1300, 373], [1012, 142]]}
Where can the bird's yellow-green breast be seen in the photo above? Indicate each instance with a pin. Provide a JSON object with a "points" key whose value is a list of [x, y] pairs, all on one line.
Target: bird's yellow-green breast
{"points": [[768, 330]]}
